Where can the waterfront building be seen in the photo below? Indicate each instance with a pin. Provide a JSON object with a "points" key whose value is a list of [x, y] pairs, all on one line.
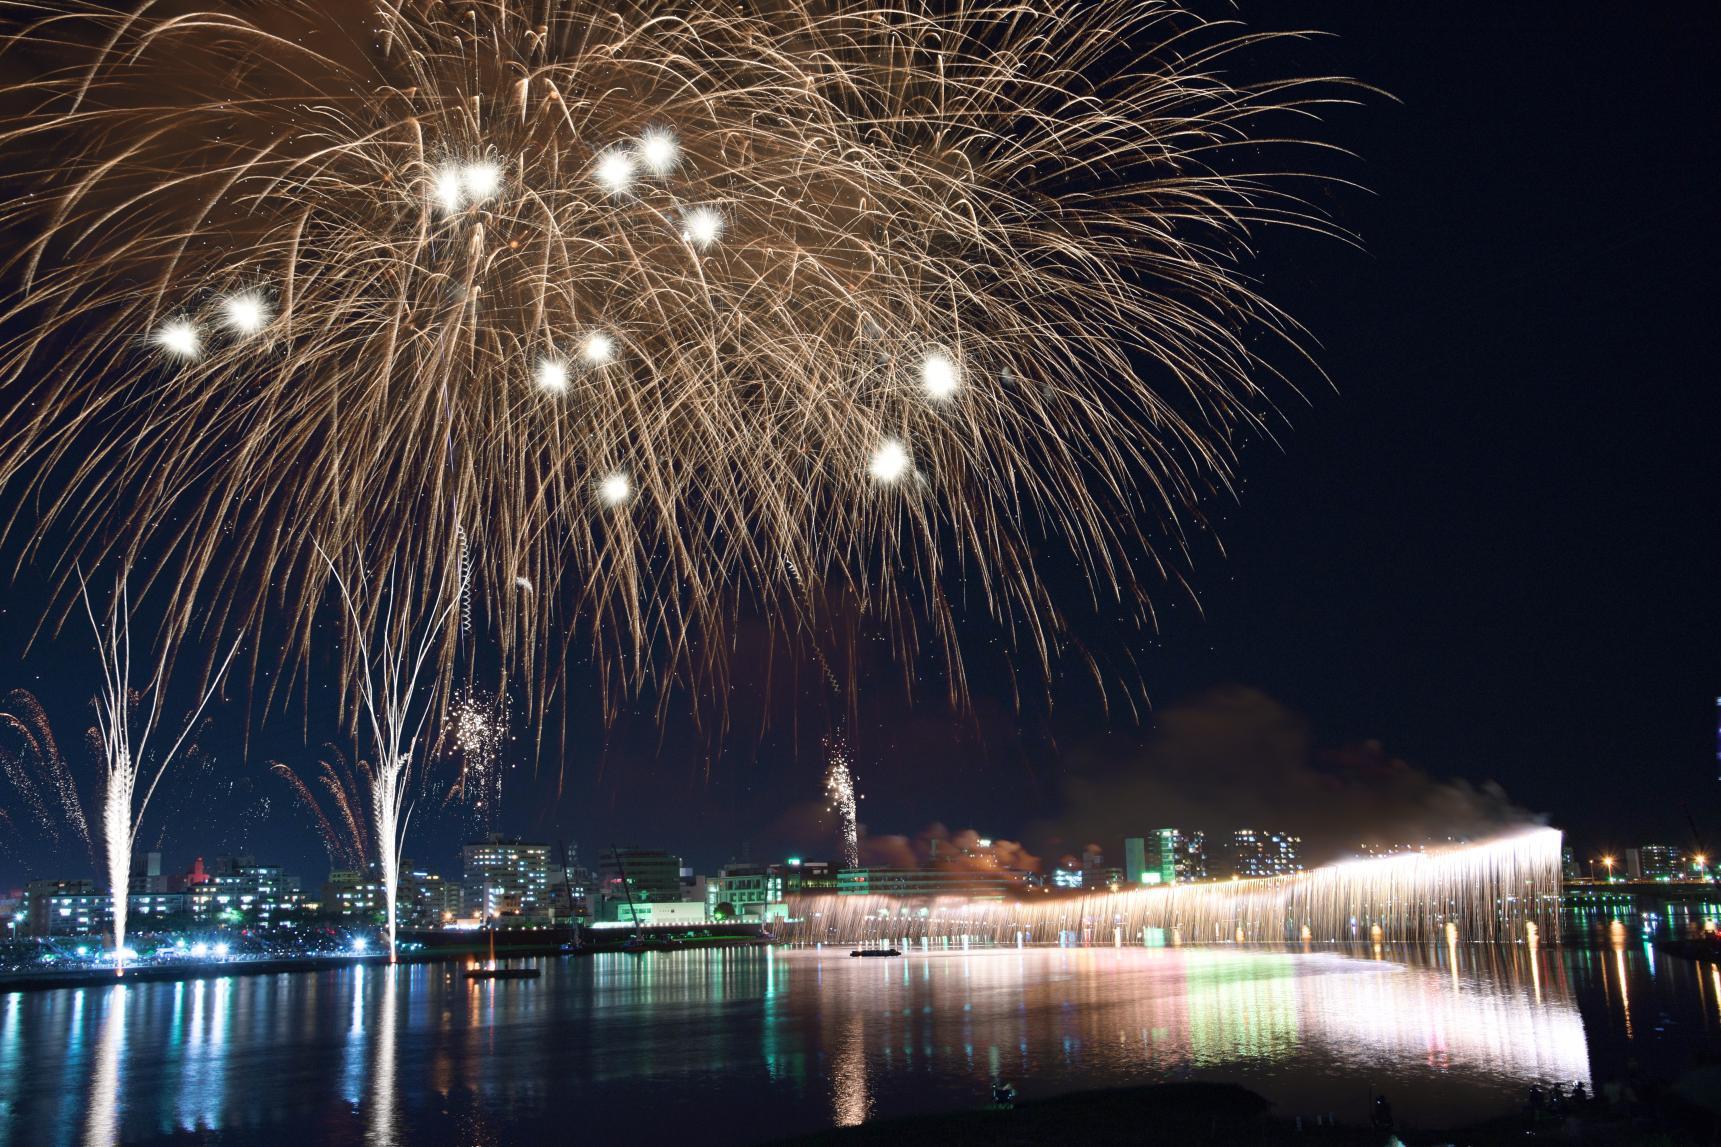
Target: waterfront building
{"points": [[1255, 852], [506, 877], [64, 908], [806, 875], [356, 894], [1135, 861], [644, 875], [1656, 862], [1164, 856], [743, 891], [243, 891], [968, 882], [653, 913]]}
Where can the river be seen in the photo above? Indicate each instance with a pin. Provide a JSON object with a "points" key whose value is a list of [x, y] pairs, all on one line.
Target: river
{"points": [[750, 1045]]}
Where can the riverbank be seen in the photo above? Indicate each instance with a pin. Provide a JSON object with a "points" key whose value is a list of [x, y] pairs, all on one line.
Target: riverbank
{"points": [[1171, 1114], [453, 948]]}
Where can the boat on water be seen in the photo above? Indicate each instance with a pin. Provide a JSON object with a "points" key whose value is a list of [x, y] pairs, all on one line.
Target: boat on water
{"points": [[875, 952], [490, 971]]}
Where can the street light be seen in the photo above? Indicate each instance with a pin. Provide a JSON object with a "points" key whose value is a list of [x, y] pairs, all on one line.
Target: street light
{"points": [[1607, 862]]}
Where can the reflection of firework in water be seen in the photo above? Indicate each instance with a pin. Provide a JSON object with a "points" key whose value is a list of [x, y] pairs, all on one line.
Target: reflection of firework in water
{"points": [[840, 787], [478, 729]]}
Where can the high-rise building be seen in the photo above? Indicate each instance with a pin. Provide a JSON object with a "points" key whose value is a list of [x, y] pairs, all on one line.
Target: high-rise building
{"points": [[506, 877], [1260, 853], [1165, 856], [1135, 861], [1655, 862], [649, 875]]}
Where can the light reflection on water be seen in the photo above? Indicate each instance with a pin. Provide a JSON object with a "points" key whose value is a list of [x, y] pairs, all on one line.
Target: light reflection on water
{"points": [[795, 1041]]}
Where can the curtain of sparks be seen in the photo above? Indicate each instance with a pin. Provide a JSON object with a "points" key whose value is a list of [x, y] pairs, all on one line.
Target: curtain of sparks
{"points": [[614, 314]]}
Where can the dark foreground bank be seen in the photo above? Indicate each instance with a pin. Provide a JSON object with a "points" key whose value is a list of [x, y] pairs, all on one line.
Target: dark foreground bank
{"points": [[1185, 1113]]}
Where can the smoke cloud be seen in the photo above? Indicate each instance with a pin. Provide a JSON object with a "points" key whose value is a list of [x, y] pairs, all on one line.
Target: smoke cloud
{"points": [[935, 841], [1235, 758]]}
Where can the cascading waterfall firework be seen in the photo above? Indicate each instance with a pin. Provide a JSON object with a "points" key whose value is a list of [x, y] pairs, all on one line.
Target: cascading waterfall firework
{"points": [[124, 744], [671, 297], [840, 788], [1485, 892]]}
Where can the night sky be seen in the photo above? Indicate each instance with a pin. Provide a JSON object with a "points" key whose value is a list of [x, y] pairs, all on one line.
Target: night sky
{"points": [[1490, 545]]}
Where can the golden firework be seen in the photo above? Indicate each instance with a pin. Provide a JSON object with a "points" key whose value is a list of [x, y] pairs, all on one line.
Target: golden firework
{"points": [[670, 311]]}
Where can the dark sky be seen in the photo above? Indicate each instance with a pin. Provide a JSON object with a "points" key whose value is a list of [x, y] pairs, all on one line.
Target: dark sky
{"points": [[1491, 545]]}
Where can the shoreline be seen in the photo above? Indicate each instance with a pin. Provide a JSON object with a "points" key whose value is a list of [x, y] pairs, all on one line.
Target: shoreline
{"points": [[220, 968]]}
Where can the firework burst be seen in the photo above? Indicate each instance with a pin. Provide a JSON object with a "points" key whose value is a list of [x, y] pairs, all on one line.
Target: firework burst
{"points": [[840, 788], [476, 730], [638, 304]]}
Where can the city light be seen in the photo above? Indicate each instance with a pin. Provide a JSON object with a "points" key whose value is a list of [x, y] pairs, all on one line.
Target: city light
{"points": [[359, 944]]}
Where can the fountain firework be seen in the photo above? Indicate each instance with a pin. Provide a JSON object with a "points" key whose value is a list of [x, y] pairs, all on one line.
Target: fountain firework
{"points": [[124, 743], [840, 787], [396, 689], [1487, 892]]}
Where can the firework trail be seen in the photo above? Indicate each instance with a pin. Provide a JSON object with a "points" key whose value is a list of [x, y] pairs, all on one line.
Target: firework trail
{"points": [[31, 761], [345, 828], [840, 788], [665, 295]]}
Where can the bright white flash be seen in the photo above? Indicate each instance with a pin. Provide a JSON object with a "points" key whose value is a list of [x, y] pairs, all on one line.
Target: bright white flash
{"points": [[552, 375], [448, 188], [178, 338], [889, 462], [659, 151], [615, 489], [480, 180], [938, 374], [245, 314], [614, 171], [704, 226], [598, 348]]}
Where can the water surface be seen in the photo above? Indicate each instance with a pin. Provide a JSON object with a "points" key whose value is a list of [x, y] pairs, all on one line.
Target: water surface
{"points": [[751, 1044]]}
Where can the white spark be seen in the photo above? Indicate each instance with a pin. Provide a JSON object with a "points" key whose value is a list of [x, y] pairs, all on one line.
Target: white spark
{"points": [[598, 348], [704, 226], [524, 583], [448, 189], [553, 375], [938, 374], [659, 150], [179, 338], [615, 489], [614, 171], [246, 313], [480, 180], [890, 461]]}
